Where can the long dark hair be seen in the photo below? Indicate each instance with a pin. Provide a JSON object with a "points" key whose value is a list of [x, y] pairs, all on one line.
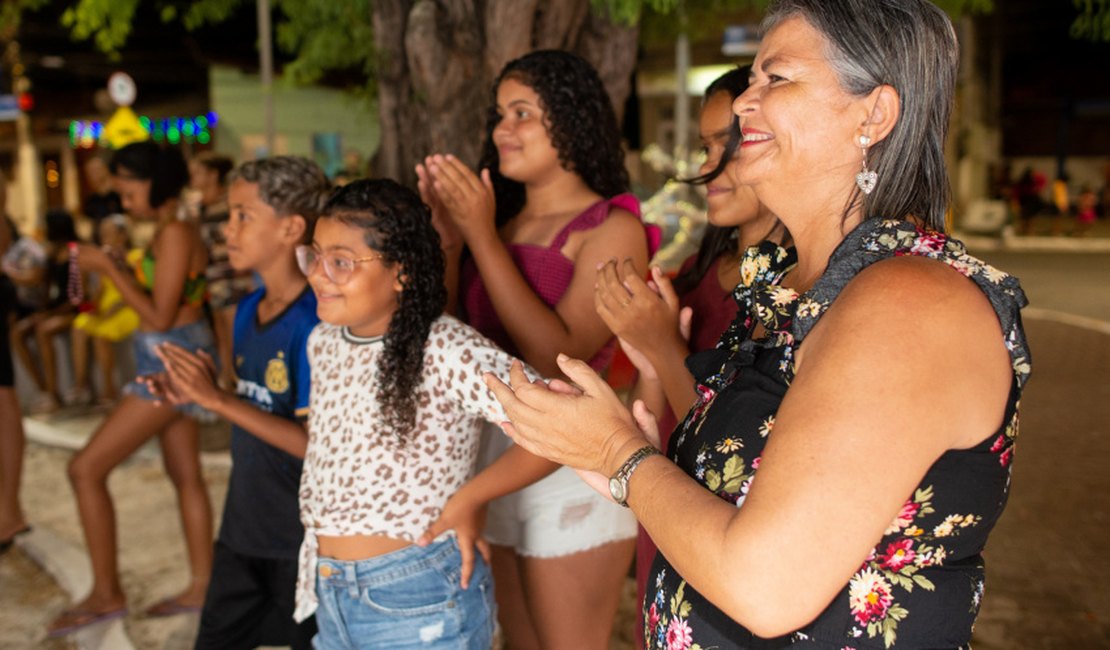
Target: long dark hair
{"points": [[579, 118], [717, 240], [397, 224]]}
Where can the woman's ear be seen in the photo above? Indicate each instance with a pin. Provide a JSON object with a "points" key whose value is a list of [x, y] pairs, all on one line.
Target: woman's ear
{"points": [[886, 108]]}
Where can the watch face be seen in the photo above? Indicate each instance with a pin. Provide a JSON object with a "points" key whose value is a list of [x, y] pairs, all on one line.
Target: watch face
{"points": [[616, 490]]}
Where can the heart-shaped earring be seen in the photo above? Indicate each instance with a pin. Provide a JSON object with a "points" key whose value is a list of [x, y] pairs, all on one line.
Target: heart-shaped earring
{"points": [[867, 178]]}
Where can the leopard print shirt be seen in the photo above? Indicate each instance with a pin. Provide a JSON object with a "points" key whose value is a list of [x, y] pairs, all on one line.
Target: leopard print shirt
{"points": [[360, 478]]}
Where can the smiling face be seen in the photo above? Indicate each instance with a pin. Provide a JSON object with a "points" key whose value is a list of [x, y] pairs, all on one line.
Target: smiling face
{"points": [[365, 303], [524, 147], [729, 202], [800, 127]]}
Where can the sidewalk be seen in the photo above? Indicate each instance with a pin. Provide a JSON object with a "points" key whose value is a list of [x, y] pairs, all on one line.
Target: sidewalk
{"points": [[49, 568]]}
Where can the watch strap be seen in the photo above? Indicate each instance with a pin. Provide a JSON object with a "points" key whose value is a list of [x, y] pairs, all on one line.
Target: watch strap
{"points": [[624, 474]]}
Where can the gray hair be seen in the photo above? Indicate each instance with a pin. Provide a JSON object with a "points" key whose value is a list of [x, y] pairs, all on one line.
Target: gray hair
{"points": [[288, 184], [911, 46]]}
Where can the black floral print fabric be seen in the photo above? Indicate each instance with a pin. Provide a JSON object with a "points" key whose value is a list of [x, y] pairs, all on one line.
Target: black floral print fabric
{"points": [[921, 585]]}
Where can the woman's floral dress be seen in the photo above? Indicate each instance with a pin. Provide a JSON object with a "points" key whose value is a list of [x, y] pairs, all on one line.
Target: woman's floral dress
{"points": [[921, 585]]}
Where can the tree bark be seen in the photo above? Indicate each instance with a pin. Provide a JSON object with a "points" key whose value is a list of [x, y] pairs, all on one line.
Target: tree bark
{"points": [[438, 58]]}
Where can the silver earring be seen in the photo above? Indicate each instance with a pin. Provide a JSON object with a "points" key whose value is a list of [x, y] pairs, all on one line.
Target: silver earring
{"points": [[867, 178]]}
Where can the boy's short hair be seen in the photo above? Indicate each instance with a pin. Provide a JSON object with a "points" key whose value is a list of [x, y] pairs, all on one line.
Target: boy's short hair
{"points": [[288, 184]]}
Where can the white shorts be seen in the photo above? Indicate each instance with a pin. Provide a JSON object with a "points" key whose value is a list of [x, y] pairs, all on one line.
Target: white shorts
{"points": [[559, 515]]}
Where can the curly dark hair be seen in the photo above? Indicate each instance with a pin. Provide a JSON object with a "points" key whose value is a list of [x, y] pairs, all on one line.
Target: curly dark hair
{"points": [[579, 118], [397, 225]]}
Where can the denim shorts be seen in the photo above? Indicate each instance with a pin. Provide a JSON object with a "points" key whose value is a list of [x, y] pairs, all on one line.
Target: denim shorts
{"points": [[190, 337], [409, 598]]}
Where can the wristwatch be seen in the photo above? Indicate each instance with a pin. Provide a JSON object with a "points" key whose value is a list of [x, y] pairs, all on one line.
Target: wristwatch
{"points": [[618, 484]]}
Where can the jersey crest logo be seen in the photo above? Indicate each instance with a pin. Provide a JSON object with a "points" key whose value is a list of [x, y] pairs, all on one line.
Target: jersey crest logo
{"points": [[277, 377]]}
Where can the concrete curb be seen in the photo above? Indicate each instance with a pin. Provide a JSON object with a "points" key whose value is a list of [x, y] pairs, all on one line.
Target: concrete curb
{"points": [[69, 566]]}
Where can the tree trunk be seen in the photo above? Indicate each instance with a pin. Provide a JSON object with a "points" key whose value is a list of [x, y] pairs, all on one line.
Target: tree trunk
{"points": [[438, 58]]}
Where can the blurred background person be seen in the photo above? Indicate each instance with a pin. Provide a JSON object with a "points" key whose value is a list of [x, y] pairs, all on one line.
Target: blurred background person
{"points": [[108, 321], [49, 317], [12, 520], [226, 287]]}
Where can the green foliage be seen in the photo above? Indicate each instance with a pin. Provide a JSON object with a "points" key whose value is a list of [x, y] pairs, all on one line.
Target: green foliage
{"points": [[107, 22], [333, 35], [1093, 21]]}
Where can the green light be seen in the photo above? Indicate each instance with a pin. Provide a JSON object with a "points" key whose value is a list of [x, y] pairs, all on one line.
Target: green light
{"points": [[188, 129], [203, 137], [173, 135], [144, 121], [202, 122]]}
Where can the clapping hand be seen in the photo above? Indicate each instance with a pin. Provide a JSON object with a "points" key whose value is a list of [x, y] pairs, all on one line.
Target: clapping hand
{"points": [[192, 375]]}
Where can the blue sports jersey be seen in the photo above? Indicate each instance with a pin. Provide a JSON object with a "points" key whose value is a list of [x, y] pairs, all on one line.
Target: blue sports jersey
{"points": [[260, 515]]}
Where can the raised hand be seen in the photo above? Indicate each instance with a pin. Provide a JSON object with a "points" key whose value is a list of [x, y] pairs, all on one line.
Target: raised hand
{"points": [[468, 197], [449, 234], [636, 311]]}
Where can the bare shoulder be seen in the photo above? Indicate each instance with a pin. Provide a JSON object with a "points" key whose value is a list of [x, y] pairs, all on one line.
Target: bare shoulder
{"points": [[622, 232], [912, 321], [913, 290]]}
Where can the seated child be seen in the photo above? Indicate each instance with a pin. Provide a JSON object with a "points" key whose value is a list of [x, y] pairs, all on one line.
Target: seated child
{"points": [[398, 404], [249, 602], [51, 313], [110, 320]]}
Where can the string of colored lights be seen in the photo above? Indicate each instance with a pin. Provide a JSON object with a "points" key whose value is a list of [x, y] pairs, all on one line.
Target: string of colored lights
{"points": [[87, 133]]}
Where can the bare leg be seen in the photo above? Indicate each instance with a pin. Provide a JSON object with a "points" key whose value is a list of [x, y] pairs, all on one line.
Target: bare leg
{"points": [[106, 359], [44, 335], [79, 348], [21, 331], [127, 427], [573, 599], [181, 457], [11, 464], [518, 632]]}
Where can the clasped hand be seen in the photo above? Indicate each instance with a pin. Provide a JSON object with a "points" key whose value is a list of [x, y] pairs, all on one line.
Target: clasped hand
{"points": [[640, 313], [584, 426], [189, 377]]}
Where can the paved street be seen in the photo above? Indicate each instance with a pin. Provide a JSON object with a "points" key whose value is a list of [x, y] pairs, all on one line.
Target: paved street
{"points": [[1047, 573]]}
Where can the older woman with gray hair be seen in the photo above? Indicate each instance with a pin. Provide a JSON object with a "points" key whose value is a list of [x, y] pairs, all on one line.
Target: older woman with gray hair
{"points": [[835, 482]]}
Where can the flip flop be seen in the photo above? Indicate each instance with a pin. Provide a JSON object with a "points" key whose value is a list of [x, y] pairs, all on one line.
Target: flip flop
{"points": [[81, 618], [170, 607], [6, 544]]}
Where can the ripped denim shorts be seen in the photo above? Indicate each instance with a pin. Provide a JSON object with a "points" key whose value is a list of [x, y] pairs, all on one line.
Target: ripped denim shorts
{"points": [[409, 598]]}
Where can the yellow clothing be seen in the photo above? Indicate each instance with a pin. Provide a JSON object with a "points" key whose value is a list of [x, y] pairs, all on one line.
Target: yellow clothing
{"points": [[116, 326]]}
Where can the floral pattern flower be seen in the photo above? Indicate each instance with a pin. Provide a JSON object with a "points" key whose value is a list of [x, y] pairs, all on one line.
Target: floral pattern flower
{"points": [[939, 530]]}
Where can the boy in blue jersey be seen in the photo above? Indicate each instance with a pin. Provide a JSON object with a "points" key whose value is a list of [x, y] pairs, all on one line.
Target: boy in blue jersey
{"points": [[273, 204]]}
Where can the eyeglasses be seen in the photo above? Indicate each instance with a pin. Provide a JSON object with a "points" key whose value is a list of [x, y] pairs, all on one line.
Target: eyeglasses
{"points": [[338, 269]]}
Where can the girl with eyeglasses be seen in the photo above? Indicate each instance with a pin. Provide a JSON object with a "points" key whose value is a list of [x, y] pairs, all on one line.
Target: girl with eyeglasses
{"points": [[398, 404]]}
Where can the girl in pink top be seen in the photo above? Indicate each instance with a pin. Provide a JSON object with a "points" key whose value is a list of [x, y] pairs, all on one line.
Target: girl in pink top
{"points": [[548, 208]]}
